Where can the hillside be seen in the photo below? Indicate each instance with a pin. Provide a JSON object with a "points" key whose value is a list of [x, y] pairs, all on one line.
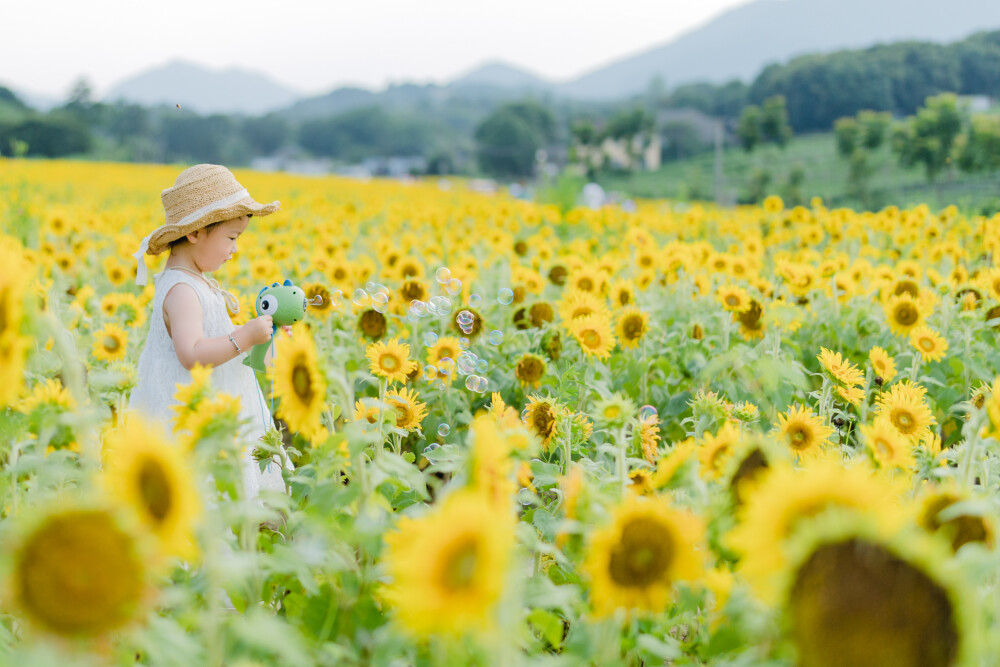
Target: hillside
{"points": [[204, 90], [740, 42]]}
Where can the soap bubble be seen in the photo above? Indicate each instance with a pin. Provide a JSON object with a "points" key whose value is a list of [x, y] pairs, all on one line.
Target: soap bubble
{"points": [[380, 302], [472, 382], [524, 415], [360, 298], [443, 429], [442, 275], [446, 365], [337, 298], [464, 317], [442, 304], [418, 308], [647, 412], [466, 363], [495, 337], [482, 366], [482, 384], [430, 372], [475, 300], [370, 286], [505, 296], [463, 343], [454, 286], [430, 339], [431, 446], [381, 289]]}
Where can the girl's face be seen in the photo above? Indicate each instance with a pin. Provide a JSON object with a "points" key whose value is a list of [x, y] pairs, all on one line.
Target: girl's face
{"points": [[214, 247]]}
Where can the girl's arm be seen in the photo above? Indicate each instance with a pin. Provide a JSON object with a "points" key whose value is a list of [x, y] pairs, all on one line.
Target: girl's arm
{"points": [[183, 310]]}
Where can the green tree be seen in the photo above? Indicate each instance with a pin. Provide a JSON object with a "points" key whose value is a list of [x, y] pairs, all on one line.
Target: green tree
{"points": [[680, 140], [508, 140], [979, 148], [774, 127], [928, 138], [873, 128], [748, 128], [266, 134], [846, 133]]}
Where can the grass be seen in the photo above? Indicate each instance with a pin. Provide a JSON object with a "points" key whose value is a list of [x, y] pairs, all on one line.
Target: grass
{"points": [[825, 175]]}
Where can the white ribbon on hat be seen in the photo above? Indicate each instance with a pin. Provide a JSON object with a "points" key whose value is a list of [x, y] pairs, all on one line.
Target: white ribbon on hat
{"points": [[140, 269]]}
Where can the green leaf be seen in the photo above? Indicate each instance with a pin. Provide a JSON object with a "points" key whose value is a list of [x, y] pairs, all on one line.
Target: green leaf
{"points": [[548, 625]]}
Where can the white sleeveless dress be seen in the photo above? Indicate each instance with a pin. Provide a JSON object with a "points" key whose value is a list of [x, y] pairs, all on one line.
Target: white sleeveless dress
{"points": [[160, 372]]}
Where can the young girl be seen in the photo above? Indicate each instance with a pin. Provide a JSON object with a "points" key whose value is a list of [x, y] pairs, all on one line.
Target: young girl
{"points": [[206, 211]]}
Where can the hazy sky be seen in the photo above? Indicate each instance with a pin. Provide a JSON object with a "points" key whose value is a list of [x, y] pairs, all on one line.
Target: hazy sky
{"points": [[316, 45]]}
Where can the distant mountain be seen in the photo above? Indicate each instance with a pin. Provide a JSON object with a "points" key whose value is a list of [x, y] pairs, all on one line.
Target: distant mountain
{"points": [[35, 101], [501, 75], [204, 90], [742, 41]]}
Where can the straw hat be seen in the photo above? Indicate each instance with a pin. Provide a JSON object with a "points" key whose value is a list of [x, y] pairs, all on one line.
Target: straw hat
{"points": [[203, 194]]}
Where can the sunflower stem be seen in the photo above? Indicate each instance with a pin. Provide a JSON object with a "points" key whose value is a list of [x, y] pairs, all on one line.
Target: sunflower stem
{"points": [[621, 468], [915, 367], [380, 445]]}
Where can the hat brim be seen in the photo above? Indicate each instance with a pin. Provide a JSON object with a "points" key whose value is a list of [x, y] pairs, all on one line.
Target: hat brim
{"points": [[161, 239]]}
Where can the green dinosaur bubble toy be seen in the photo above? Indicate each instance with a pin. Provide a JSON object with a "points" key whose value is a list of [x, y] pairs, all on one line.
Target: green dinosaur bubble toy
{"points": [[286, 304]]}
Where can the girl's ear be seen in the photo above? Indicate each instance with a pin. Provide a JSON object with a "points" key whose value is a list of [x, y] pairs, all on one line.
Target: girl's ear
{"points": [[194, 236]]}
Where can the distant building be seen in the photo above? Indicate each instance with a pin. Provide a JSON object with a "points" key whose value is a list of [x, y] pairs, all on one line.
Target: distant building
{"points": [[977, 103]]}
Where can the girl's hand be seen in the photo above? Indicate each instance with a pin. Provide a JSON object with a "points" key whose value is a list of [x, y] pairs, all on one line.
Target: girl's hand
{"points": [[259, 330]]}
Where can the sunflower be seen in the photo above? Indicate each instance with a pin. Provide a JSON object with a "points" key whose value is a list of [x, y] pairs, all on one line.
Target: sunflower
{"points": [[586, 279], [593, 332], [48, 393], [929, 343], [783, 497], [413, 290], [148, 474], [110, 343], [957, 529], [614, 410], [622, 293], [372, 324], [366, 410], [667, 466], [446, 346], [326, 306], [633, 324], [539, 313], [804, 432], [649, 438], [733, 299], [575, 305], [390, 360], [886, 445], [883, 364], [409, 411], [751, 321], [840, 369], [529, 370], [464, 549], [634, 562], [904, 406], [299, 385], [542, 417], [904, 313], [857, 593], [715, 450], [79, 573]]}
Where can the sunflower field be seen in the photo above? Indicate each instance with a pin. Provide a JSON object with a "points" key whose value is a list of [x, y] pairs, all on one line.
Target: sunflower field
{"points": [[661, 434]]}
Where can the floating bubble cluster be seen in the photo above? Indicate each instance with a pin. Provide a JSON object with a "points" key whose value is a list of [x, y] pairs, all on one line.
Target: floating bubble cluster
{"points": [[477, 384]]}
